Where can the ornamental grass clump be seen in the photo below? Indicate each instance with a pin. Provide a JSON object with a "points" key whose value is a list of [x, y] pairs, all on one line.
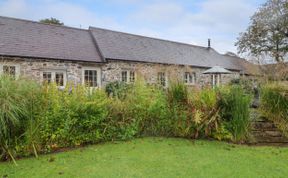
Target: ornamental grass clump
{"points": [[235, 112], [18, 107], [274, 104], [178, 105]]}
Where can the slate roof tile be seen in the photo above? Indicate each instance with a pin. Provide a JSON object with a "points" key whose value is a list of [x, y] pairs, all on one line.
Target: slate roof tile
{"points": [[32, 39]]}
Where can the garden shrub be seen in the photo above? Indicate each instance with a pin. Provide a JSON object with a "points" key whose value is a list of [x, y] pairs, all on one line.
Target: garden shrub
{"points": [[274, 104], [151, 109], [119, 125], [73, 116], [117, 89], [178, 105], [44, 118], [249, 85], [235, 112], [177, 93], [206, 112], [140, 114]]}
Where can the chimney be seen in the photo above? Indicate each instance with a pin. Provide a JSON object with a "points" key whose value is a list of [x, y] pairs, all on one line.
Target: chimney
{"points": [[209, 43]]}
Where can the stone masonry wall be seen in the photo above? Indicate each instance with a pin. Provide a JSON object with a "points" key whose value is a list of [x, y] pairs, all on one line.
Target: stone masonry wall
{"points": [[111, 71], [32, 68]]}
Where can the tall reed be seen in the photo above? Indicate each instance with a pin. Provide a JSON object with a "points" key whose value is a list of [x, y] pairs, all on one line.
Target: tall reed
{"points": [[235, 112], [274, 104]]}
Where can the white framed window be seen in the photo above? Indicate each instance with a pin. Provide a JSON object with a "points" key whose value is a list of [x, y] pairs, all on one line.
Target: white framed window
{"points": [[190, 78], [128, 76], [91, 77], [57, 76], [124, 76], [162, 79], [47, 77], [10, 69]]}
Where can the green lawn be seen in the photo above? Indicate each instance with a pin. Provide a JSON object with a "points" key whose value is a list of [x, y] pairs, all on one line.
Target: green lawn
{"points": [[156, 157]]}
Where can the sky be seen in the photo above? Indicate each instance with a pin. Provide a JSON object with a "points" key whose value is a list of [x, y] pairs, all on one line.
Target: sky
{"points": [[188, 21]]}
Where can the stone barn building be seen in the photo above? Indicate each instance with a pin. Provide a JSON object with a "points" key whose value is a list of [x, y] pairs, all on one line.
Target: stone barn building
{"points": [[97, 56]]}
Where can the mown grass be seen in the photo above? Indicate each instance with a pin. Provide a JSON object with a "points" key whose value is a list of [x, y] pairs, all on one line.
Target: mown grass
{"points": [[156, 157]]}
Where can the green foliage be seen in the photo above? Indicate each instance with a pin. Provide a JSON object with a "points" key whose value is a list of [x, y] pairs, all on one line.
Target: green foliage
{"points": [[247, 84], [51, 21], [117, 89], [235, 112], [177, 93], [206, 112], [45, 118], [73, 116], [274, 104], [16, 103]]}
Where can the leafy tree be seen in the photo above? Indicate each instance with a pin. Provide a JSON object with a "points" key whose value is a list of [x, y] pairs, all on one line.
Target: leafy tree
{"points": [[267, 34], [52, 21]]}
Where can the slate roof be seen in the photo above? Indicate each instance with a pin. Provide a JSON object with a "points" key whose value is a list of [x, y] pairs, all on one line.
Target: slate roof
{"points": [[124, 46], [32, 39]]}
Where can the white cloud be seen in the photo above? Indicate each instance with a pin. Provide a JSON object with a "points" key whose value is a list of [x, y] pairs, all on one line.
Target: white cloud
{"points": [[159, 13], [220, 20], [71, 14], [13, 7]]}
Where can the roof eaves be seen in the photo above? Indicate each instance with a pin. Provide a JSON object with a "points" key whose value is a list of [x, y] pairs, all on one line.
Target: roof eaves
{"points": [[48, 58]]}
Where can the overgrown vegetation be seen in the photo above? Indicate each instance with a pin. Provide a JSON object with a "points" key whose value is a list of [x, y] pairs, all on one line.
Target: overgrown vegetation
{"points": [[274, 104], [39, 119], [235, 112]]}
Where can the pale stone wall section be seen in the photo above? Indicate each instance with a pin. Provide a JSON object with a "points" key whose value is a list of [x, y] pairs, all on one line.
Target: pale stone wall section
{"points": [[33, 68], [111, 71]]}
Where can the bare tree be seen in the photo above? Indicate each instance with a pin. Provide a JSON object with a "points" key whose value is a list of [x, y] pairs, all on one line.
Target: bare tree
{"points": [[268, 32]]}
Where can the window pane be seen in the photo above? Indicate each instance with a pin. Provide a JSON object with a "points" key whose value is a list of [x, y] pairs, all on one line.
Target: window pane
{"points": [[214, 79], [190, 78], [59, 79], [94, 78], [161, 78], [186, 77], [9, 70], [124, 76], [90, 78], [132, 76], [47, 77], [194, 78]]}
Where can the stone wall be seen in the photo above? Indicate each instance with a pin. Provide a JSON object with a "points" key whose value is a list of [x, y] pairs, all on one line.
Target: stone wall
{"points": [[32, 68], [111, 71], [148, 71]]}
